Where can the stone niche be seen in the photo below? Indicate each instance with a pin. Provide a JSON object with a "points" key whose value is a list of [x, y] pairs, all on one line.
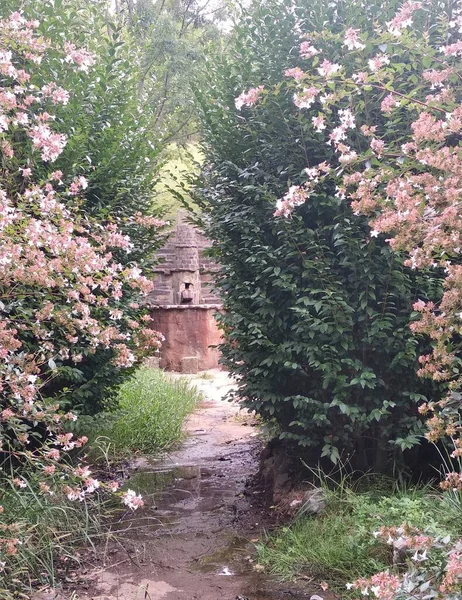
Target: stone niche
{"points": [[184, 302]]}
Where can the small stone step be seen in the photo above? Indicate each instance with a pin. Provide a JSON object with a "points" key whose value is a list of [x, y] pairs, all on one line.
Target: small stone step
{"points": [[189, 364]]}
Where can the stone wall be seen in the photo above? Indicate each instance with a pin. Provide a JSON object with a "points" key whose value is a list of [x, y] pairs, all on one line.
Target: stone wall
{"points": [[190, 331]]}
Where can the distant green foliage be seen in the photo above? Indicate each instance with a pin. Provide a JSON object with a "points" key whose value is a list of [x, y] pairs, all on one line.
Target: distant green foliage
{"points": [[153, 407], [181, 163], [317, 312], [174, 35]]}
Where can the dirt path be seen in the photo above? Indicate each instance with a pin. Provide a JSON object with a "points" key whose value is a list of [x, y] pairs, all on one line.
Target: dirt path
{"points": [[194, 537]]}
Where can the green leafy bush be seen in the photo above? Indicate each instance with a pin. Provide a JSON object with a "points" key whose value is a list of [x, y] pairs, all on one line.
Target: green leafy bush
{"points": [[317, 311]]}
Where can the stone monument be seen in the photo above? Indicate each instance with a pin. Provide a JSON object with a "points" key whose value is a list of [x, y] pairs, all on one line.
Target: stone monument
{"points": [[184, 302]]}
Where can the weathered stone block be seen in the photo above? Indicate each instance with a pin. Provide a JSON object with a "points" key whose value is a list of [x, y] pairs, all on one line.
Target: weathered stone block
{"points": [[153, 362], [189, 364], [189, 330]]}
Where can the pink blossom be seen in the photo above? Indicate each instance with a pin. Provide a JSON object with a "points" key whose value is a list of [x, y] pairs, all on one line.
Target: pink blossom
{"points": [[318, 123], [45, 489], [360, 77], [6, 414], [378, 61], [79, 56], [453, 575], [7, 100], [347, 156], [132, 500], [452, 49], [377, 146], [337, 134], [352, 40], [389, 103], [78, 184], [50, 144], [307, 50], [295, 72], [7, 149], [347, 118], [403, 17], [4, 122], [296, 196], [428, 128], [437, 78], [382, 585], [19, 482], [91, 485], [249, 98], [57, 94], [57, 176], [368, 130], [74, 493], [327, 69], [22, 118], [306, 97]]}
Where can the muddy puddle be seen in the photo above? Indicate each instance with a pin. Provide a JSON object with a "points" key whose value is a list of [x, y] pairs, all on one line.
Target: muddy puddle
{"points": [[195, 537]]}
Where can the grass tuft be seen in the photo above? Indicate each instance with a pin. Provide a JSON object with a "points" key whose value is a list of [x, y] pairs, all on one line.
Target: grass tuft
{"points": [[153, 408]]}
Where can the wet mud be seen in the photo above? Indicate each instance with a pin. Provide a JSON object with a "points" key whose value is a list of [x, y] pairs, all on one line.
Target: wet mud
{"points": [[195, 537]]}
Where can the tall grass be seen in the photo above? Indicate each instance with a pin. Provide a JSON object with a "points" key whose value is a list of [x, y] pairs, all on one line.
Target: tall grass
{"points": [[52, 530], [152, 410]]}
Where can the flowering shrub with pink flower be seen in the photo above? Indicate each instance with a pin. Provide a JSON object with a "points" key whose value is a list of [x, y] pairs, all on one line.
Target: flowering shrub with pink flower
{"points": [[62, 288], [402, 167], [112, 142], [433, 567]]}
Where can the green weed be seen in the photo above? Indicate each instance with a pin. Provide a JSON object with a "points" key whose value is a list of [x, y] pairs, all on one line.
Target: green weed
{"points": [[205, 375], [338, 545], [152, 411]]}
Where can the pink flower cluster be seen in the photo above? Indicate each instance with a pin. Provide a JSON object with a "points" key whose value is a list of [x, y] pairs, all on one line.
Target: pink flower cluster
{"points": [[352, 40], [306, 97], [79, 56], [249, 98], [132, 500], [297, 195], [436, 567], [381, 585], [48, 143], [403, 18], [307, 50]]}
